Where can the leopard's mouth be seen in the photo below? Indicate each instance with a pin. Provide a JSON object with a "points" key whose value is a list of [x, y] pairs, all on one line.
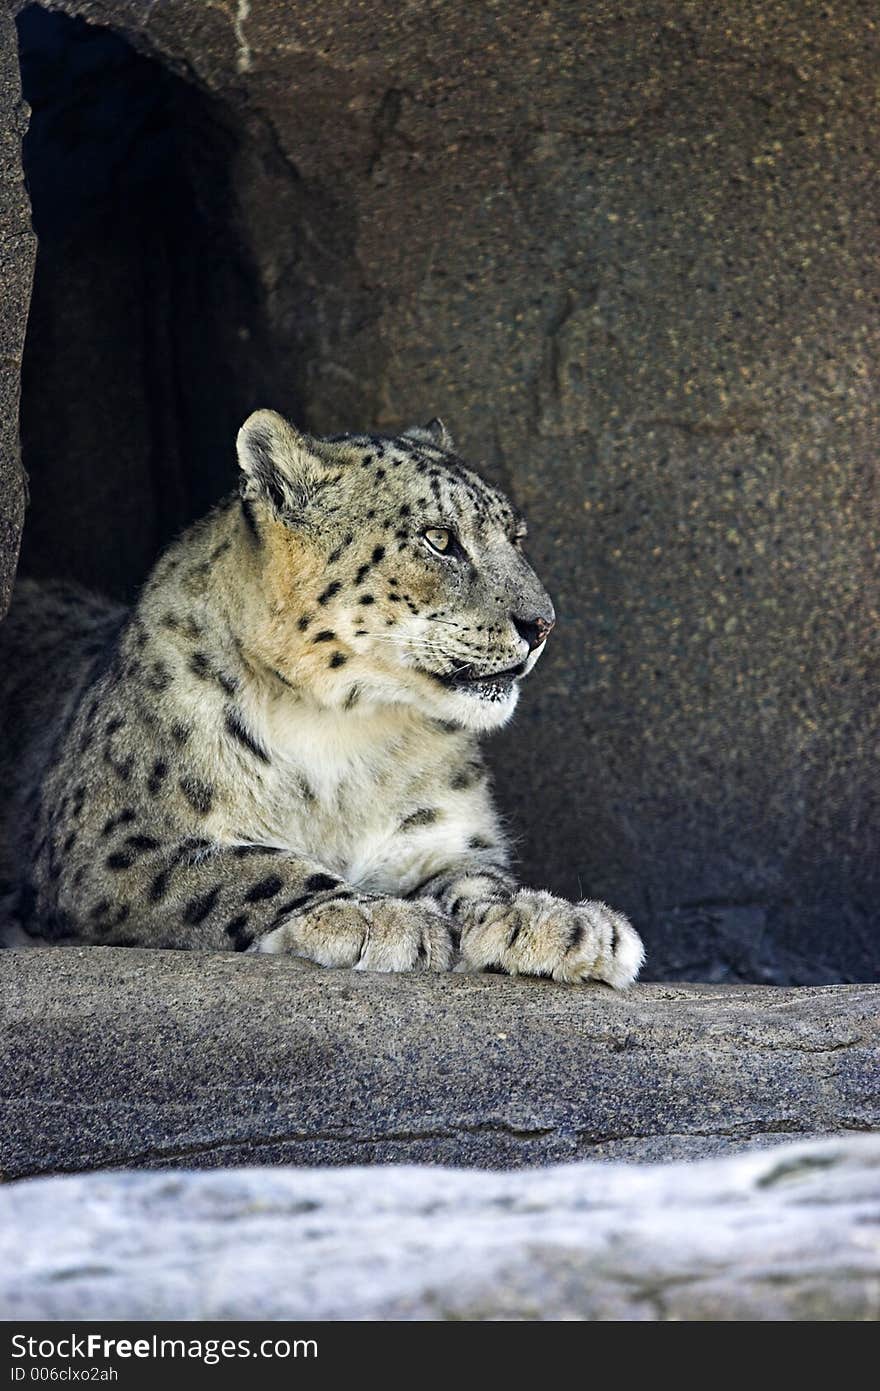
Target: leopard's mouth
{"points": [[493, 685]]}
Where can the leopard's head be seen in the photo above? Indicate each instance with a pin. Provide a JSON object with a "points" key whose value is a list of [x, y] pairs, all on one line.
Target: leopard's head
{"points": [[389, 573]]}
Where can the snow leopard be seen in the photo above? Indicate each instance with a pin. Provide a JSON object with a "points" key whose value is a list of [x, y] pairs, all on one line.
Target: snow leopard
{"points": [[277, 748]]}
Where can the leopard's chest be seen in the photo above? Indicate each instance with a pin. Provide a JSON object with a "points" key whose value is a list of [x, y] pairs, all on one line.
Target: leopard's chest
{"points": [[348, 823], [340, 797]]}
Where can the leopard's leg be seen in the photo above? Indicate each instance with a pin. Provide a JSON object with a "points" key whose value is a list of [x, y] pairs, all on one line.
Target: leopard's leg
{"points": [[531, 932], [200, 895]]}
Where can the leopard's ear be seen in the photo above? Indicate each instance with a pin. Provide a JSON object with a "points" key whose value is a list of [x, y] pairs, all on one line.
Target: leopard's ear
{"points": [[435, 432], [279, 465]]}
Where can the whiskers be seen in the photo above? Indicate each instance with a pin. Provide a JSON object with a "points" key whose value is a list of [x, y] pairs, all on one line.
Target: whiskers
{"points": [[427, 650]]}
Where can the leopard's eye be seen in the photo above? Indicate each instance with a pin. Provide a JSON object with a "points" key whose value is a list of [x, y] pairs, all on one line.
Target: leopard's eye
{"points": [[439, 539]]}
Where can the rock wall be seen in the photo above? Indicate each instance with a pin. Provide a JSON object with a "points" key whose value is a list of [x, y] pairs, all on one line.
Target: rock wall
{"points": [[17, 249], [627, 253]]}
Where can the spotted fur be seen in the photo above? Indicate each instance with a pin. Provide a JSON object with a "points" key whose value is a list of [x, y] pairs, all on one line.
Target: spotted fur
{"points": [[277, 749]]}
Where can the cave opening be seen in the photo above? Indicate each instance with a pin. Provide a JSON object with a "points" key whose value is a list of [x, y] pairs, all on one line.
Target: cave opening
{"points": [[146, 343]]}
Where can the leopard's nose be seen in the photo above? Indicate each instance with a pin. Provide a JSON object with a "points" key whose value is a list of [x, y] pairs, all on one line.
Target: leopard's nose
{"points": [[534, 630]]}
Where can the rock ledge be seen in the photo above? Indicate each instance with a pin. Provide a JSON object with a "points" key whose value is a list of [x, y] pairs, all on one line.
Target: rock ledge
{"points": [[790, 1233], [123, 1058]]}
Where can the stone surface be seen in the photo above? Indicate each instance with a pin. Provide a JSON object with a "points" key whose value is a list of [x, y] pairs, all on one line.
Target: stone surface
{"points": [[791, 1233], [627, 252], [17, 249], [114, 1056]]}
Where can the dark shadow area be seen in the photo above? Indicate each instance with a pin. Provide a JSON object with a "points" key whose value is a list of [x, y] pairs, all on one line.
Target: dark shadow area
{"points": [[145, 346]]}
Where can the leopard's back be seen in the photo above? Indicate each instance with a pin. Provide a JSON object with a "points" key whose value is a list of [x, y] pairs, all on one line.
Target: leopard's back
{"points": [[51, 643]]}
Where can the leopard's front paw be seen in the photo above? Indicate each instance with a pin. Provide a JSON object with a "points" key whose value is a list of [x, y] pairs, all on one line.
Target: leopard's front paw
{"points": [[368, 934], [535, 934]]}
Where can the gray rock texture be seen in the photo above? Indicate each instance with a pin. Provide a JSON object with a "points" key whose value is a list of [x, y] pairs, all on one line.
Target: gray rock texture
{"points": [[17, 249], [119, 1057], [627, 251], [790, 1233]]}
